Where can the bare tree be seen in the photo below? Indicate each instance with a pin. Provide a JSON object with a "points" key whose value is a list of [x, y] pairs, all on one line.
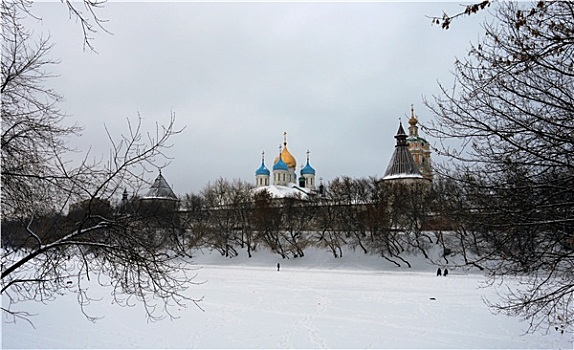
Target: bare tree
{"points": [[409, 205], [281, 224], [45, 251], [33, 129], [297, 216], [110, 247], [194, 216], [352, 200], [242, 205], [329, 231], [512, 110], [446, 20], [229, 206], [267, 222]]}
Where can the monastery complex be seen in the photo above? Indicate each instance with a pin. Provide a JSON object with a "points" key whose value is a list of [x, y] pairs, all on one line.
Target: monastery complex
{"points": [[411, 161]]}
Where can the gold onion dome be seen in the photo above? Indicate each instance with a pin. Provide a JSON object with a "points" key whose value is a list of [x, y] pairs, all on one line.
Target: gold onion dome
{"points": [[286, 156]]}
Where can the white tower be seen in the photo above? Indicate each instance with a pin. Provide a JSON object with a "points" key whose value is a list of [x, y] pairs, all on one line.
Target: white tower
{"points": [[262, 174], [308, 174]]}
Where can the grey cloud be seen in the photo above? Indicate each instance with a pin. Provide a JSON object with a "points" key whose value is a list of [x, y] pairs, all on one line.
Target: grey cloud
{"points": [[335, 76]]}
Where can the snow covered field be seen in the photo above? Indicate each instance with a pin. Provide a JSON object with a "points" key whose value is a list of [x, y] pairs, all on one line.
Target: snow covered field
{"points": [[316, 301]]}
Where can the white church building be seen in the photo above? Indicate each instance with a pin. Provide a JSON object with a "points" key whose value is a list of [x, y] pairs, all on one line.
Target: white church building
{"points": [[285, 180]]}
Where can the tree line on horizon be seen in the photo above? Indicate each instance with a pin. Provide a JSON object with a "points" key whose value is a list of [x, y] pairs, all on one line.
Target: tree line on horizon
{"points": [[388, 219]]}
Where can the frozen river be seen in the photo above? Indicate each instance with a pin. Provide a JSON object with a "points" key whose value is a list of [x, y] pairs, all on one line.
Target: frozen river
{"points": [[320, 302]]}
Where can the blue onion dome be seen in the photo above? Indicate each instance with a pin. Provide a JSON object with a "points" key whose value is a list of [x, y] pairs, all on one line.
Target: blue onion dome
{"points": [[308, 169], [280, 165], [262, 170]]}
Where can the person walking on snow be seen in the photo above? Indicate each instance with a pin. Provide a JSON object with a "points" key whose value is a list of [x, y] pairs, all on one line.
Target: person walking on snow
{"points": [[438, 272], [278, 266]]}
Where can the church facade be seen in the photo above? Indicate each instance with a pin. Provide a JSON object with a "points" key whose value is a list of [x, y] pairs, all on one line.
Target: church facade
{"points": [[284, 174]]}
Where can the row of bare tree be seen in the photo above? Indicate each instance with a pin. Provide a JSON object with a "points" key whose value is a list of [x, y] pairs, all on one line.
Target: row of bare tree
{"points": [[364, 214]]}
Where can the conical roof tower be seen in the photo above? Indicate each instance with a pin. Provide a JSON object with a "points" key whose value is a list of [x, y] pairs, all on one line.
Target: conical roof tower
{"points": [[160, 189], [402, 164]]}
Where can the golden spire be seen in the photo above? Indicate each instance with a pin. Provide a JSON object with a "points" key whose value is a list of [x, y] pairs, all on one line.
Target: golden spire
{"points": [[413, 121]]}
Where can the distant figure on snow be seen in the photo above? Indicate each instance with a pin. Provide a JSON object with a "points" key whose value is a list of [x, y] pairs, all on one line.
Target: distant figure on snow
{"points": [[278, 266], [438, 272], [445, 272]]}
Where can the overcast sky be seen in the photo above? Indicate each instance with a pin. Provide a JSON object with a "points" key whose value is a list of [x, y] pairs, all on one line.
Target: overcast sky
{"points": [[335, 76]]}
